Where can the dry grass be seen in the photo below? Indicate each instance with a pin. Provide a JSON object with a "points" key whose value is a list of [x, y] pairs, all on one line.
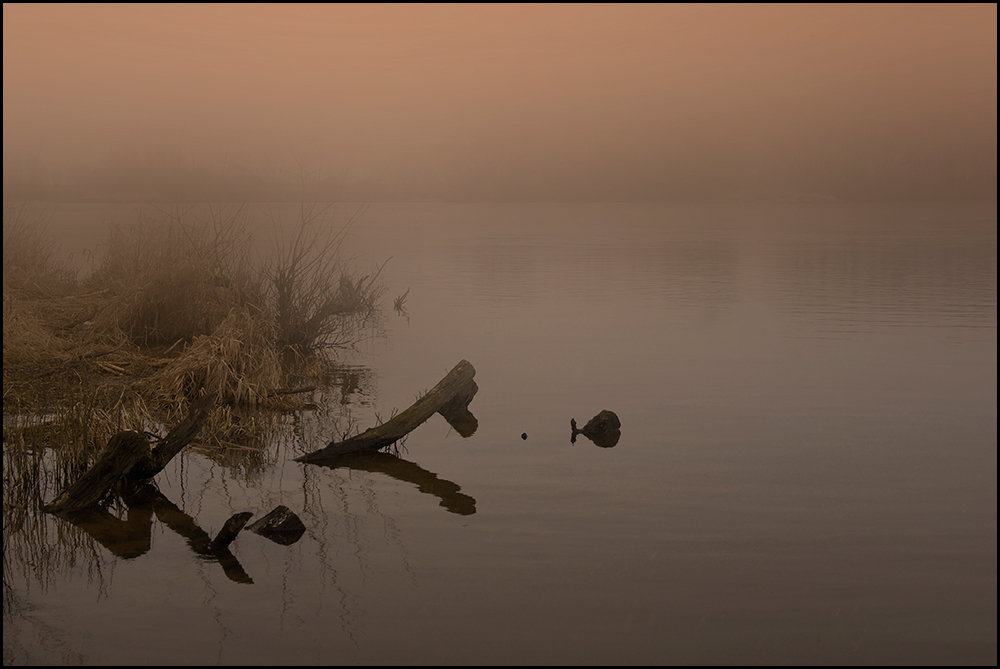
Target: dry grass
{"points": [[238, 362], [29, 258], [175, 309], [171, 280], [319, 299]]}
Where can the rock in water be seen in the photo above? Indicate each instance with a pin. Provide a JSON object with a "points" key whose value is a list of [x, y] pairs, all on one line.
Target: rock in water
{"points": [[280, 526], [603, 423]]}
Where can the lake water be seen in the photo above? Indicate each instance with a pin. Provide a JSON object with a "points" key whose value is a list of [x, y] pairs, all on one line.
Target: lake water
{"points": [[807, 467]]}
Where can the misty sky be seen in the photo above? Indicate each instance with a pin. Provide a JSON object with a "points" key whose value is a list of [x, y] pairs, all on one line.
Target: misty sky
{"points": [[511, 101]]}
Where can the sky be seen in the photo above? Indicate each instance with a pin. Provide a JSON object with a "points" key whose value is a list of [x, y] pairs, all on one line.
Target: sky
{"points": [[503, 102]]}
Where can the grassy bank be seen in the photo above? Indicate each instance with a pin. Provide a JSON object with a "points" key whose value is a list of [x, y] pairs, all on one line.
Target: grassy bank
{"points": [[175, 308]]}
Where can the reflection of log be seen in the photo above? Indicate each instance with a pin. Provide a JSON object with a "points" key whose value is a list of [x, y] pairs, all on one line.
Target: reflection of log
{"points": [[198, 539], [122, 452], [403, 470], [131, 537], [127, 538], [455, 383]]}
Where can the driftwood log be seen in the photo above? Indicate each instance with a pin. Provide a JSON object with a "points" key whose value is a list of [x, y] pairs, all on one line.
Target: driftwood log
{"points": [[455, 384], [172, 444], [121, 453], [128, 455]]}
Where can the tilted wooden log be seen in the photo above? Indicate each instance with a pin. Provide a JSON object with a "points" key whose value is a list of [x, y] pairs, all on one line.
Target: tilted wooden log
{"points": [[172, 444], [122, 452], [128, 455], [229, 530], [455, 383]]}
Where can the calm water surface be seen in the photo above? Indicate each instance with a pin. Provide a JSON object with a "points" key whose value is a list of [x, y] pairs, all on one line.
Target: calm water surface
{"points": [[806, 472]]}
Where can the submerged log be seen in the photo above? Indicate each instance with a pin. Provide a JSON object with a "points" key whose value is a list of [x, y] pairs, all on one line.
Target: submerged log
{"points": [[229, 530], [122, 452], [454, 384]]}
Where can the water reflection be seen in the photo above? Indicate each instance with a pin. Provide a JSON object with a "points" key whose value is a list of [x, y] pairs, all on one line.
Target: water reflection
{"points": [[604, 439], [891, 279], [131, 537], [850, 476], [427, 482]]}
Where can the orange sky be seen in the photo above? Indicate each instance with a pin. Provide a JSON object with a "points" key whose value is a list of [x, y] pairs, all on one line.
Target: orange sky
{"points": [[507, 91]]}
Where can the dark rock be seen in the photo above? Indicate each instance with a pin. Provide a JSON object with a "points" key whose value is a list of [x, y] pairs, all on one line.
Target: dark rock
{"points": [[602, 423], [280, 526], [604, 429]]}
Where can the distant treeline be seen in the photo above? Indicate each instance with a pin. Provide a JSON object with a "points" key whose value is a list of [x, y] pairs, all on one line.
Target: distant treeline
{"points": [[904, 173]]}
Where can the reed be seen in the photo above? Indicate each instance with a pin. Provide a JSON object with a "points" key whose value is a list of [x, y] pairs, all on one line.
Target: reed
{"points": [[320, 300], [30, 265], [171, 280], [176, 308]]}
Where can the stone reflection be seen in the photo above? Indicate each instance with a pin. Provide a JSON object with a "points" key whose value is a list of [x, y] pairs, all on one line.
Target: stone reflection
{"points": [[452, 499], [605, 440]]}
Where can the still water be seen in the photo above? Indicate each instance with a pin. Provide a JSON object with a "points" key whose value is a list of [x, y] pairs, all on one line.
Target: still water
{"points": [[806, 470]]}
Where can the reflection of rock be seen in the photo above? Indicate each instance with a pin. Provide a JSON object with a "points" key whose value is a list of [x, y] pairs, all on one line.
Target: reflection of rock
{"points": [[281, 526], [605, 439], [604, 429]]}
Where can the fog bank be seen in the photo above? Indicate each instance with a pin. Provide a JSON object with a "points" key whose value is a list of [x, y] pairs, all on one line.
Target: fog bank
{"points": [[509, 102]]}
